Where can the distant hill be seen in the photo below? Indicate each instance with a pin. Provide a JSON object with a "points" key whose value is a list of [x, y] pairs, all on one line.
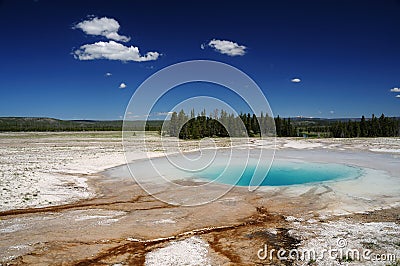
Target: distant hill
{"points": [[51, 124], [324, 121]]}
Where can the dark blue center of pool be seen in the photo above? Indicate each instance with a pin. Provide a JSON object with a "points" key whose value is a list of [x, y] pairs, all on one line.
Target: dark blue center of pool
{"points": [[281, 173]]}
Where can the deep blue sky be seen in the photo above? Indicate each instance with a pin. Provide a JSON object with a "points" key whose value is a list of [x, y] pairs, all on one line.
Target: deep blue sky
{"points": [[347, 53]]}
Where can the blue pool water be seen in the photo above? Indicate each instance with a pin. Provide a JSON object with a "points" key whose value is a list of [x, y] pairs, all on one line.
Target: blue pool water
{"points": [[281, 174]]}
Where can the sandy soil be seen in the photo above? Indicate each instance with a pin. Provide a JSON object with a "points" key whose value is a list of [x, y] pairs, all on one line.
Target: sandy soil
{"points": [[57, 208]]}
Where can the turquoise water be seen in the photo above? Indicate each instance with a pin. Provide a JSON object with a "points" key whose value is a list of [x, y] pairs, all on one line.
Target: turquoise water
{"points": [[281, 174]]}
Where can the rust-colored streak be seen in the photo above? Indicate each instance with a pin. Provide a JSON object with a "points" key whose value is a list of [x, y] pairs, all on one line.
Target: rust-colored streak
{"points": [[135, 251], [79, 205]]}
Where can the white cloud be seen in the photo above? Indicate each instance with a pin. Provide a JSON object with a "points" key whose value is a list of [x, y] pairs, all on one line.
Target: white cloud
{"points": [[202, 46], [331, 112], [108, 74], [107, 27], [395, 90], [227, 47], [122, 85], [163, 113], [398, 96], [113, 51], [295, 80]]}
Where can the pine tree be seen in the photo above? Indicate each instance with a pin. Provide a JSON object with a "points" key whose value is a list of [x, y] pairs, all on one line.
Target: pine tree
{"points": [[278, 125], [363, 128], [173, 125]]}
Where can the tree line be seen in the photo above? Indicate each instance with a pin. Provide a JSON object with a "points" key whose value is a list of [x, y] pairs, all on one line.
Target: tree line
{"points": [[224, 125], [374, 127], [221, 124]]}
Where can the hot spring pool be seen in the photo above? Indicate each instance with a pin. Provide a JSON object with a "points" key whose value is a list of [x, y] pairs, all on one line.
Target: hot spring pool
{"points": [[282, 173], [291, 168], [192, 179]]}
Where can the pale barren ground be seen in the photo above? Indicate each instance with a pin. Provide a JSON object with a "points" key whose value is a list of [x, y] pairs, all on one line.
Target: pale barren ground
{"points": [[57, 209]]}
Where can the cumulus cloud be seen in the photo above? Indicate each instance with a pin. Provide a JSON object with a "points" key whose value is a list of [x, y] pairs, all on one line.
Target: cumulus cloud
{"points": [[395, 90], [398, 96], [122, 85], [113, 51], [108, 74], [163, 113], [331, 112], [227, 47], [107, 27], [295, 80]]}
